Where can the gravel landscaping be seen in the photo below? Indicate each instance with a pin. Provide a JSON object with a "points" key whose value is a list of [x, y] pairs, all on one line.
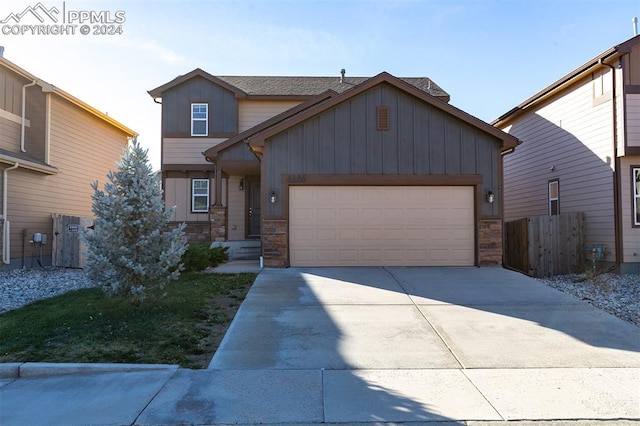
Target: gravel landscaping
{"points": [[19, 287], [616, 294]]}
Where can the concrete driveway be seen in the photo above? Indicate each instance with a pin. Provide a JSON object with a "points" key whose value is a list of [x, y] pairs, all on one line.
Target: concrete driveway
{"points": [[407, 344], [425, 318], [374, 345]]}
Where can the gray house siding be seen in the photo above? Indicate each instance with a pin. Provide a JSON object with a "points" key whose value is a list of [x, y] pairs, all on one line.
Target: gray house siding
{"points": [[11, 91], [237, 152], [176, 110], [344, 140], [35, 133]]}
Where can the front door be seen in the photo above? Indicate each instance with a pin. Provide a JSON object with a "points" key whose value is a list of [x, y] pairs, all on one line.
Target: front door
{"points": [[253, 210]]}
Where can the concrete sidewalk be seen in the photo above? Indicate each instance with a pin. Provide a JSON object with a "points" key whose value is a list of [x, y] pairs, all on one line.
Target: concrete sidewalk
{"points": [[367, 345]]}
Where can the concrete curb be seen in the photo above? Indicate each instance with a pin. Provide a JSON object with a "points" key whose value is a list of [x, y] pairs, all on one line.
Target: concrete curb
{"points": [[46, 369]]}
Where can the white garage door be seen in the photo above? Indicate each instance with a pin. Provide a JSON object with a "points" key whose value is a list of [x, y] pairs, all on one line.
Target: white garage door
{"points": [[382, 226]]}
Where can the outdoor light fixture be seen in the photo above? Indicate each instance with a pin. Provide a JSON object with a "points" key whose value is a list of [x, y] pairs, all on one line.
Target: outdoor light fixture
{"points": [[273, 198], [490, 197], [241, 185]]}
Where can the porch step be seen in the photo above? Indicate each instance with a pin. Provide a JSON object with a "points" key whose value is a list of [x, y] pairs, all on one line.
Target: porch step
{"points": [[247, 253], [242, 250]]}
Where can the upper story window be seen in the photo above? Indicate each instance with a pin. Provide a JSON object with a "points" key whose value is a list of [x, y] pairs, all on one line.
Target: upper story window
{"points": [[554, 197], [199, 119], [635, 175], [200, 195]]}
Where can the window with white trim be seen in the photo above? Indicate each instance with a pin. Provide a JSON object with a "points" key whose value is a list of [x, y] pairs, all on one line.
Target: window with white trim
{"points": [[199, 119], [635, 175], [200, 195], [554, 197]]}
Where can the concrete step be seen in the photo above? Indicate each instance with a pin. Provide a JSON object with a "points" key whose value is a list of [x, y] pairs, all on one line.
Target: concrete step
{"points": [[247, 253]]}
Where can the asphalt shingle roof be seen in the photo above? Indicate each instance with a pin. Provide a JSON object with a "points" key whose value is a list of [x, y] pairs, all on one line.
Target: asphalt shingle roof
{"points": [[311, 86]]}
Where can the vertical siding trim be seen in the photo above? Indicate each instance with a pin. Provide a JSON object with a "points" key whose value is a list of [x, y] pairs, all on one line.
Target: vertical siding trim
{"points": [[47, 131]]}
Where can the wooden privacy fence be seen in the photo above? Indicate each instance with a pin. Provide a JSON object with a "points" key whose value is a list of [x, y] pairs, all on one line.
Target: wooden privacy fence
{"points": [[67, 249], [542, 246]]}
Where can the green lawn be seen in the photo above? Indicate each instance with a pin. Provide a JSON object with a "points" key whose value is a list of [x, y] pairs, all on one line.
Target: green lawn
{"points": [[182, 324]]}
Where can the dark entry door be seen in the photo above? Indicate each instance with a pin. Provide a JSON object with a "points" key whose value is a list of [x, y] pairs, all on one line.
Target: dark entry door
{"points": [[253, 212]]}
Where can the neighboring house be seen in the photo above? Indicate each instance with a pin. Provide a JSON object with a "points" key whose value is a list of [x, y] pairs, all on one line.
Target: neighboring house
{"points": [[52, 147], [581, 153], [333, 170]]}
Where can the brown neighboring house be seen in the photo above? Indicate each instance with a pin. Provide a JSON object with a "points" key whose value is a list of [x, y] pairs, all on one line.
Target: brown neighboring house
{"points": [[327, 171], [581, 153], [52, 147]]}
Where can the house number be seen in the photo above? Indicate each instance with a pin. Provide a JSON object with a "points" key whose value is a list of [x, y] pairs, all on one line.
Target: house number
{"points": [[297, 178]]}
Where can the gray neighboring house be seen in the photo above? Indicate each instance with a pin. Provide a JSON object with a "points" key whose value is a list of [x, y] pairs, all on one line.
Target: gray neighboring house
{"points": [[329, 171], [581, 153]]}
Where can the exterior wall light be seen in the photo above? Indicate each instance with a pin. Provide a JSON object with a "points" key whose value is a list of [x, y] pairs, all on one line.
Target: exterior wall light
{"points": [[490, 197], [241, 185], [273, 198]]}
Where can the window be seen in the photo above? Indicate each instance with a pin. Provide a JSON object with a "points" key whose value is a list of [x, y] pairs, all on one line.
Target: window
{"points": [[199, 119], [635, 175], [554, 197], [200, 195]]}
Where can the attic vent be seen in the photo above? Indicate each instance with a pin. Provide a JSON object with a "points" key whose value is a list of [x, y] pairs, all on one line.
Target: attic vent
{"points": [[382, 116]]}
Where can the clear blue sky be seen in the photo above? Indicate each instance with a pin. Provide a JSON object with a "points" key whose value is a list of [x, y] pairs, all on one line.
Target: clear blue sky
{"points": [[489, 55]]}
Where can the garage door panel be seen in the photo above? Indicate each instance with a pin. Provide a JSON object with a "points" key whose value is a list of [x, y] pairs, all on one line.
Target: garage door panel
{"points": [[382, 226]]}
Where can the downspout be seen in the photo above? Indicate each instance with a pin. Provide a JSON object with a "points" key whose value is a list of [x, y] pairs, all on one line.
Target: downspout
{"points": [[617, 214], [24, 112], [6, 255]]}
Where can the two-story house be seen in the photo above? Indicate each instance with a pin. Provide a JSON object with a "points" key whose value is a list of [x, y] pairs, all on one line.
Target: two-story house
{"points": [[333, 170], [581, 153], [52, 147]]}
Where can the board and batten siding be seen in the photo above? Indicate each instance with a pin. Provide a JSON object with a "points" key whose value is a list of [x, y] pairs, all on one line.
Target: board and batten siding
{"points": [[176, 108], [569, 139], [83, 149], [11, 91], [253, 112], [36, 133], [422, 140], [187, 150], [630, 234], [177, 192], [632, 115]]}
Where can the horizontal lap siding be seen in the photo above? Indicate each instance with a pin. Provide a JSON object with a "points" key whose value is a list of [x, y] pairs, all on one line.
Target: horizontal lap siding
{"points": [[9, 135], [344, 140], [187, 150], [251, 113], [574, 136], [84, 149], [630, 234], [633, 120]]}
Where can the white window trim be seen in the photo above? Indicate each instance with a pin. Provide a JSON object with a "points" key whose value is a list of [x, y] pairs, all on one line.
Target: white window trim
{"points": [[194, 195], [636, 195], [206, 119], [556, 199]]}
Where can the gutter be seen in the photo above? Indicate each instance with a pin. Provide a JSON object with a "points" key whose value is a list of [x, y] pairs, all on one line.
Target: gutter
{"points": [[6, 234], [24, 112], [617, 213]]}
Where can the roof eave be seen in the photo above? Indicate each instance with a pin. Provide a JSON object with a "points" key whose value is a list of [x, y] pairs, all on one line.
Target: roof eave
{"points": [[52, 89], [566, 80], [508, 141], [211, 154], [198, 72]]}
